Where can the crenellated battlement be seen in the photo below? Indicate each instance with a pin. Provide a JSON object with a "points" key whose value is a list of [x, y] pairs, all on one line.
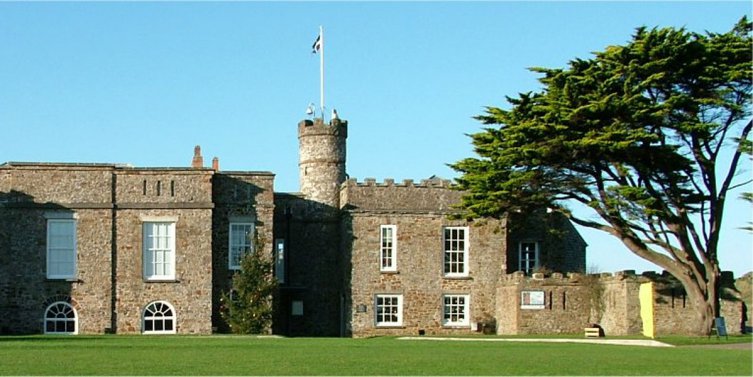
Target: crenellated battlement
{"points": [[574, 277], [336, 127], [408, 183], [577, 277], [433, 195]]}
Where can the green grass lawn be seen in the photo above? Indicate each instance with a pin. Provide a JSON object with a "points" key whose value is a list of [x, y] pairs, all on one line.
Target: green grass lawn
{"points": [[237, 355]]}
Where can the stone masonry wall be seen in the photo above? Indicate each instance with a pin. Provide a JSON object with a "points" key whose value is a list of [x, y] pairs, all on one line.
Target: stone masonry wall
{"points": [[63, 184], [238, 195], [322, 153], [310, 300], [573, 301], [432, 195], [162, 187], [674, 311], [29, 194], [191, 291], [419, 277], [314, 268], [566, 306], [185, 197], [420, 211], [26, 291], [105, 200], [618, 311], [561, 248]]}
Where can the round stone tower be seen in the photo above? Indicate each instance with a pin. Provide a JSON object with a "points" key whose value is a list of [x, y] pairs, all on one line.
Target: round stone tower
{"points": [[321, 161]]}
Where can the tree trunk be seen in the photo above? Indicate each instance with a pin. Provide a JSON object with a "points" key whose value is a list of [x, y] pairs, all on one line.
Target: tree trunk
{"points": [[705, 320], [704, 299], [702, 289]]}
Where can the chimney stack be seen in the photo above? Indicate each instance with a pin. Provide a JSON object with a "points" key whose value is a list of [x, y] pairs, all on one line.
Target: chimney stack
{"points": [[198, 161], [216, 164]]}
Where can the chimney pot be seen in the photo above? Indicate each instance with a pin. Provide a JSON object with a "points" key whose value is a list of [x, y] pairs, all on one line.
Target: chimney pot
{"points": [[198, 161]]}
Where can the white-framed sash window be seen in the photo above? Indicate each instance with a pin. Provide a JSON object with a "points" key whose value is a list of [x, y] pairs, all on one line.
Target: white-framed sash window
{"points": [[456, 310], [389, 310], [159, 250], [241, 242], [456, 251], [388, 248], [61, 247]]}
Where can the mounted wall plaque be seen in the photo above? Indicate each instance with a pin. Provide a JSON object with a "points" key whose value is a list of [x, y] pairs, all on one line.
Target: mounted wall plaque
{"points": [[532, 299]]}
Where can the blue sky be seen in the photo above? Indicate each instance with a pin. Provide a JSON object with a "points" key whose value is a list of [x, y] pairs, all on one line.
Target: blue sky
{"points": [[142, 83]]}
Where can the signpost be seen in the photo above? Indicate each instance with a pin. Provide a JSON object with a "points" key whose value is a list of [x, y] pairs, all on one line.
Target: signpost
{"points": [[721, 328]]}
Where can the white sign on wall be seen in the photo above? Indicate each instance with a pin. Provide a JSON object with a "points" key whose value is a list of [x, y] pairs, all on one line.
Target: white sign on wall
{"points": [[532, 300]]}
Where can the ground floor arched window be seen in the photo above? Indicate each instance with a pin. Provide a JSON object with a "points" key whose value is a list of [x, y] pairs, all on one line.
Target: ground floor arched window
{"points": [[158, 318], [60, 318]]}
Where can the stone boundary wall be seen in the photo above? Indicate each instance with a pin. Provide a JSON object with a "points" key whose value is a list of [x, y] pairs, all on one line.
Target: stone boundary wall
{"points": [[573, 301]]}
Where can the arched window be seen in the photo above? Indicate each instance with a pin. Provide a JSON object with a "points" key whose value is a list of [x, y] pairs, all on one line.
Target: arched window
{"points": [[60, 318], [159, 318]]}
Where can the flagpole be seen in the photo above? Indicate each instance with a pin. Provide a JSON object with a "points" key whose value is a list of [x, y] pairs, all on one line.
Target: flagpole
{"points": [[321, 70]]}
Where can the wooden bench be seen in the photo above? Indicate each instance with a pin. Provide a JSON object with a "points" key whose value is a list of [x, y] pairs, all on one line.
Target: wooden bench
{"points": [[592, 332]]}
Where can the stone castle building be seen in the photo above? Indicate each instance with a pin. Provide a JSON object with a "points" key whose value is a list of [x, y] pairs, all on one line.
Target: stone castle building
{"points": [[112, 248]]}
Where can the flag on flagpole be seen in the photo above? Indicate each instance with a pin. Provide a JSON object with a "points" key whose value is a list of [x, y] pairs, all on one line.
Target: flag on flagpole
{"points": [[317, 46]]}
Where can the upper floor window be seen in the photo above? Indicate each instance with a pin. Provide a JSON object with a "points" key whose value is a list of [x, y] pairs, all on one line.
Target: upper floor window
{"points": [[159, 250], [158, 318], [60, 318], [61, 248], [456, 251], [241, 242], [456, 310], [528, 256], [388, 247], [280, 260], [389, 310]]}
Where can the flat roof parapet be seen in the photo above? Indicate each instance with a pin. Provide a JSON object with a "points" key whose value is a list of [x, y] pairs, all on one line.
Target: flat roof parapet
{"points": [[11, 164], [242, 172]]}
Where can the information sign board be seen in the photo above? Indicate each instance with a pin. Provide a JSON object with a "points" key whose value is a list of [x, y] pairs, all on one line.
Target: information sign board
{"points": [[532, 300]]}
